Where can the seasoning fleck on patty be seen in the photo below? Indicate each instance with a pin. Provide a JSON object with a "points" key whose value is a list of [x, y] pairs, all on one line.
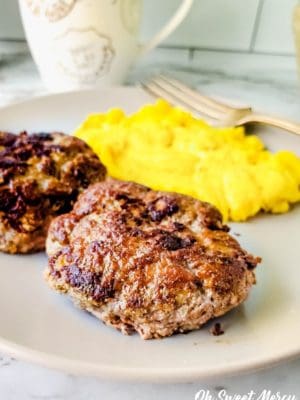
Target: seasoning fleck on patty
{"points": [[41, 176], [152, 262]]}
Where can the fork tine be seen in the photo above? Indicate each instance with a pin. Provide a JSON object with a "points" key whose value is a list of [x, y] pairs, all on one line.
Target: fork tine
{"points": [[217, 105], [175, 97], [155, 91]]}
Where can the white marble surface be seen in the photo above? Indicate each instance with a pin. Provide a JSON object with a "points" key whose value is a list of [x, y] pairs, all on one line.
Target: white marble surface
{"points": [[269, 84]]}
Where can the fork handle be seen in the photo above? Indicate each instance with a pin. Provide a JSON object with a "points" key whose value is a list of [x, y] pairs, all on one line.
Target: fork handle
{"points": [[290, 126]]}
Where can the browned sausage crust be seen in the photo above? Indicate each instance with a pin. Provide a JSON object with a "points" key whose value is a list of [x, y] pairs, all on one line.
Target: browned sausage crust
{"points": [[146, 261], [41, 176]]}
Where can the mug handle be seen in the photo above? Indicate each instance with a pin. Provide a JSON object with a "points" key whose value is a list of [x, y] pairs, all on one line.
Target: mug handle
{"points": [[169, 27]]}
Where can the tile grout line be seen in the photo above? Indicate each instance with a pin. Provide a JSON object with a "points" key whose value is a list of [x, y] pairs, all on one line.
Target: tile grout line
{"points": [[191, 50], [191, 53], [12, 40], [256, 25]]}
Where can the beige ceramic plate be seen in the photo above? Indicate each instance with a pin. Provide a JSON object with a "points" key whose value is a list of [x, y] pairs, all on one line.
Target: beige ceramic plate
{"points": [[39, 325]]}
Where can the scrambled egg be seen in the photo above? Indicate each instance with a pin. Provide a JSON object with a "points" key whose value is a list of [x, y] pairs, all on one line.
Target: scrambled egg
{"points": [[168, 149]]}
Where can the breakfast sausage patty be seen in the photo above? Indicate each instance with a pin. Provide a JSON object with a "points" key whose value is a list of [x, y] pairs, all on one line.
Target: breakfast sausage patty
{"points": [[152, 262], [41, 176]]}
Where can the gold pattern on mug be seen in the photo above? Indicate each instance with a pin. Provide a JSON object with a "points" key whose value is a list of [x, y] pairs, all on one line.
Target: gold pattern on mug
{"points": [[34, 6], [52, 10], [84, 54]]}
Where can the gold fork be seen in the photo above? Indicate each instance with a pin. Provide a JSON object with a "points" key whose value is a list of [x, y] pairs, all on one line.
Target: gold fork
{"points": [[177, 93]]}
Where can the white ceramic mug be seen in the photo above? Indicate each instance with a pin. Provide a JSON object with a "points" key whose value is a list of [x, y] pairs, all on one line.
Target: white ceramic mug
{"points": [[88, 43]]}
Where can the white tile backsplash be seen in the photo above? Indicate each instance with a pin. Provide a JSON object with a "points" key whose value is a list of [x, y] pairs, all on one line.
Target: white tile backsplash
{"points": [[10, 22], [212, 24], [275, 28], [215, 24]]}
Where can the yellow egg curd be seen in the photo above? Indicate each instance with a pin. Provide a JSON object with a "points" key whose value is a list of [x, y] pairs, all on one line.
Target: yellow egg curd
{"points": [[168, 149]]}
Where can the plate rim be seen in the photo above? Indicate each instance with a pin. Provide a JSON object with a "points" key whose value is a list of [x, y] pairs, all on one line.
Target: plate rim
{"points": [[42, 96], [138, 374]]}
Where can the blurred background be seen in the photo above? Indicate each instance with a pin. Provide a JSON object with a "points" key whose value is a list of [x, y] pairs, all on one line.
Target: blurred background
{"points": [[260, 28], [251, 26], [220, 39], [250, 39]]}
